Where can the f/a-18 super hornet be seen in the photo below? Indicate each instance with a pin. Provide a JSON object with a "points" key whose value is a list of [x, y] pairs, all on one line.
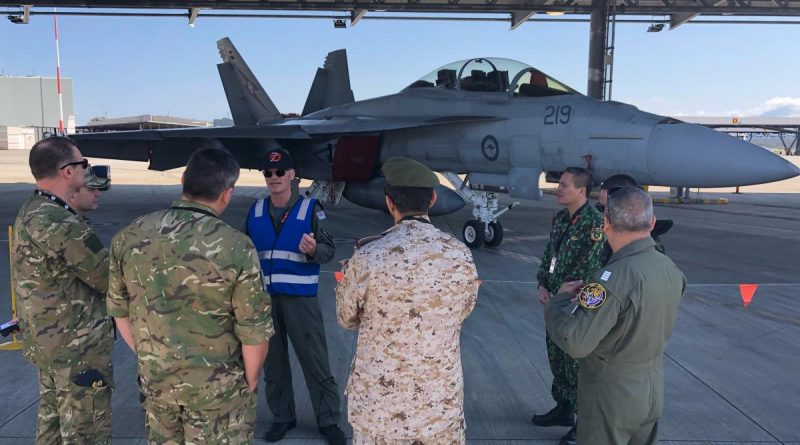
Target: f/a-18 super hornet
{"points": [[489, 125]]}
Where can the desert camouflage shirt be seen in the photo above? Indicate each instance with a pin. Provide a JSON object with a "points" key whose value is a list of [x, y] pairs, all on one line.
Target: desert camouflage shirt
{"points": [[407, 293], [575, 248], [192, 288], [60, 278]]}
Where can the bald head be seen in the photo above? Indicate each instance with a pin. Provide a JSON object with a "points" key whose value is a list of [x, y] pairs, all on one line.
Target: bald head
{"points": [[630, 209]]}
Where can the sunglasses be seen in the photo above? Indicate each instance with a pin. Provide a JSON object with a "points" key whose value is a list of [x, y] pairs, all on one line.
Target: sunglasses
{"points": [[278, 173], [84, 163]]}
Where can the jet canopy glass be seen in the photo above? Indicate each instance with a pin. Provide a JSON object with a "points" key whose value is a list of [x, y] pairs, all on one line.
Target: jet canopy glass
{"points": [[493, 75]]}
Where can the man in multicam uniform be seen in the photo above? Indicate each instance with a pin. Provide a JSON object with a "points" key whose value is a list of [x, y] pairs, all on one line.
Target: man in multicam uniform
{"points": [[407, 292], [186, 291], [96, 180], [61, 275], [573, 252]]}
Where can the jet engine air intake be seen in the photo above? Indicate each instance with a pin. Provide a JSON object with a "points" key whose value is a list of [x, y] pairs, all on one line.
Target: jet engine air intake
{"points": [[355, 157]]}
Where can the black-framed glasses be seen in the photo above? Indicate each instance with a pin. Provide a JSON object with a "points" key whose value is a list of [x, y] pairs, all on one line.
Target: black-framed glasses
{"points": [[84, 163], [279, 173]]}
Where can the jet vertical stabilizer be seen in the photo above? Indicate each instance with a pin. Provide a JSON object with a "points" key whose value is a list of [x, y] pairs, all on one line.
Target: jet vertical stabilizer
{"points": [[331, 85], [249, 103]]}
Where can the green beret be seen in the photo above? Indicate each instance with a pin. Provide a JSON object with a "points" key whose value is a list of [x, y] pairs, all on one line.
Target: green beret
{"points": [[404, 172]]}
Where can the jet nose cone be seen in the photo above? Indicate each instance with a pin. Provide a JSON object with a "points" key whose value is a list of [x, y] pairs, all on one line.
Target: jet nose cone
{"points": [[694, 156]]}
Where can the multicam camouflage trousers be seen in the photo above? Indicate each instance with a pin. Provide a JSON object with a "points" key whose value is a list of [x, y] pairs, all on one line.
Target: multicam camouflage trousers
{"points": [[565, 375], [229, 422], [449, 437], [71, 414]]}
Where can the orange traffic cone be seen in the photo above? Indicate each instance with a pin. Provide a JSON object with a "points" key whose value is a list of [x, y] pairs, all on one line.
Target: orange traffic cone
{"points": [[747, 291]]}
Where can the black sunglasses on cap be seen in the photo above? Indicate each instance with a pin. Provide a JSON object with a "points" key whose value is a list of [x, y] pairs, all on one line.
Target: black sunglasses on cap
{"points": [[84, 163], [278, 173]]}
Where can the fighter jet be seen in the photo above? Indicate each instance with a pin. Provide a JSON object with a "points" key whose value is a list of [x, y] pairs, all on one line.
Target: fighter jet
{"points": [[489, 125]]}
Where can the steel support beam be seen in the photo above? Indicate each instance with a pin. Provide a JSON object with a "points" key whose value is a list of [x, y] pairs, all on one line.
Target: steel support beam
{"points": [[520, 17], [598, 30], [676, 20], [356, 16]]}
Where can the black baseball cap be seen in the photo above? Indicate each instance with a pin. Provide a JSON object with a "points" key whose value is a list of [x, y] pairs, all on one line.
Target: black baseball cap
{"points": [[279, 159]]}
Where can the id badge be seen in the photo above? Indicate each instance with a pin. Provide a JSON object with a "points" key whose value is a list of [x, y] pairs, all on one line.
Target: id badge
{"points": [[553, 264]]}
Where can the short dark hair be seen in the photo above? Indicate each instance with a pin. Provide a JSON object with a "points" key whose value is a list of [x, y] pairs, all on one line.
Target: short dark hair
{"points": [[48, 155], [618, 181], [410, 200], [209, 172], [581, 178], [630, 209]]}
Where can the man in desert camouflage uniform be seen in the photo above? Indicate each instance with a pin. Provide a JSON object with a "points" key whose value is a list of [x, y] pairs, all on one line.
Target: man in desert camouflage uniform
{"points": [[186, 291], [573, 252], [61, 275], [407, 291]]}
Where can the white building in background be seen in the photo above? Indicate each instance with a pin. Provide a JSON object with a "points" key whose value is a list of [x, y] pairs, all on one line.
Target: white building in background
{"points": [[29, 109]]}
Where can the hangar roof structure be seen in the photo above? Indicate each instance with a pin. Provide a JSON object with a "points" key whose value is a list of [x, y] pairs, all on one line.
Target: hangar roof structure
{"points": [[678, 11]]}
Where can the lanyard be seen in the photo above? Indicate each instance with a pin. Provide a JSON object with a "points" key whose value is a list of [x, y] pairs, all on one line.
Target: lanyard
{"points": [[195, 209], [568, 230], [55, 199]]}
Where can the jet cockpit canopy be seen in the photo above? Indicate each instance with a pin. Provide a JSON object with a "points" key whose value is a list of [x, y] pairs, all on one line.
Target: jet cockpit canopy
{"points": [[493, 75]]}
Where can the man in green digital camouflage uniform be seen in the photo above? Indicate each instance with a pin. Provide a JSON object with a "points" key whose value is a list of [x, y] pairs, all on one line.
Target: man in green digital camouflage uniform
{"points": [[619, 326], [187, 293], [572, 253], [60, 277]]}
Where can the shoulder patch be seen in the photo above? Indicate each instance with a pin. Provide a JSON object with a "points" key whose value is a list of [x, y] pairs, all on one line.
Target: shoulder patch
{"points": [[321, 215], [597, 233], [592, 296], [94, 244]]}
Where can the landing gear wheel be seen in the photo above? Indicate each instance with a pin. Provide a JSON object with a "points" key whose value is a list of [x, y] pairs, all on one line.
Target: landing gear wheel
{"points": [[494, 236], [473, 233]]}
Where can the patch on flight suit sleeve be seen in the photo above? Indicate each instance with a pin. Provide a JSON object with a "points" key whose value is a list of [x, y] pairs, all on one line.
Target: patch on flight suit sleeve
{"points": [[592, 296], [321, 215], [597, 234]]}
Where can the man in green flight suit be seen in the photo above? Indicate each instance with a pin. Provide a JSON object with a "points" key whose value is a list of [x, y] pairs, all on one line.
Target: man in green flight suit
{"points": [[619, 327], [572, 253], [188, 296], [61, 276]]}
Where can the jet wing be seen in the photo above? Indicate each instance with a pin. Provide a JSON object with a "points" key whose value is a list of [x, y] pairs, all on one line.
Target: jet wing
{"points": [[171, 148], [340, 125]]}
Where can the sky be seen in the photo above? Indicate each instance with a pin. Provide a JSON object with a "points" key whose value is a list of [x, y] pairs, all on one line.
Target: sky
{"points": [[130, 66]]}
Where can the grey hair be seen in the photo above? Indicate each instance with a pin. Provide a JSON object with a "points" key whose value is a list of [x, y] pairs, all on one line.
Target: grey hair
{"points": [[630, 209]]}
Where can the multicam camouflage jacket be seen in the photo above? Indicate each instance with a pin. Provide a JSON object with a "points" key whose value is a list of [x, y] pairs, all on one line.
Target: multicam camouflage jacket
{"points": [[60, 277], [408, 293], [575, 248], [192, 288]]}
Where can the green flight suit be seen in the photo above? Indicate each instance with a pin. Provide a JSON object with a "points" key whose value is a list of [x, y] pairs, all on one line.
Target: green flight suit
{"points": [[620, 343], [572, 253]]}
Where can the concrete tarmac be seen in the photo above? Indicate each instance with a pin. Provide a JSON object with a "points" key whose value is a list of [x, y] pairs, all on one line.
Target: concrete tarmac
{"points": [[731, 373]]}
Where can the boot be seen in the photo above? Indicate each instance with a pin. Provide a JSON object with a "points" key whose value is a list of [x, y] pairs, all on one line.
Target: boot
{"points": [[562, 415], [571, 438]]}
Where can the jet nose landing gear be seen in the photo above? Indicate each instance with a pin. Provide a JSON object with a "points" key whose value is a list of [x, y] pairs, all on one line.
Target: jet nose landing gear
{"points": [[485, 228]]}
